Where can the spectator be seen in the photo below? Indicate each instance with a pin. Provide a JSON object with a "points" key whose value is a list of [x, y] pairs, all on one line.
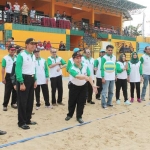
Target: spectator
{"points": [[25, 11], [48, 45], [32, 13], [40, 46], [62, 46], [57, 15], [12, 41], [8, 10], [44, 44], [64, 16], [16, 9]]}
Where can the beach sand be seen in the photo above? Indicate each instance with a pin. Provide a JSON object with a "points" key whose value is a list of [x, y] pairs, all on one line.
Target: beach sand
{"points": [[122, 131]]}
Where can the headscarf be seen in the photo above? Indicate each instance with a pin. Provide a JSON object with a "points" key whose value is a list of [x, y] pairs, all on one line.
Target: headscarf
{"points": [[134, 60], [120, 58]]}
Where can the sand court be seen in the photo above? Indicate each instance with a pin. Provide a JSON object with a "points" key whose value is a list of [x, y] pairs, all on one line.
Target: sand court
{"points": [[126, 129]]}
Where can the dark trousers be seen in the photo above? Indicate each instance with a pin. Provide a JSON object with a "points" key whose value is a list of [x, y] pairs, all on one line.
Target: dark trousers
{"points": [[9, 88], [25, 100], [56, 83], [77, 96], [24, 19], [8, 17], [45, 92], [121, 83], [90, 92], [132, 87], [99, 84], [16, 17]]}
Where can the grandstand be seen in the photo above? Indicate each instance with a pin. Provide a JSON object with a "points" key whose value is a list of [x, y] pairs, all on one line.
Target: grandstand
{"points": [[92, 23]]}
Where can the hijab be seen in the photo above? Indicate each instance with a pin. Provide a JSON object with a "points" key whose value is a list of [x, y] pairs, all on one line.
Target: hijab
{"points": [[134, 60]]}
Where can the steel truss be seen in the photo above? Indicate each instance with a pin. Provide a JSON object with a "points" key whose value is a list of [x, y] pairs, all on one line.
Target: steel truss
{"points": [[113, 6]]}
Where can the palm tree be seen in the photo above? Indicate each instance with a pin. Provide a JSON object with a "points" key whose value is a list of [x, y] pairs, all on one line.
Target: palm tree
{"points": [[134, 31]]}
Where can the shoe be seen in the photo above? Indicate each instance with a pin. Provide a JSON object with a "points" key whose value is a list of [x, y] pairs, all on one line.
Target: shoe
{"points": [[2, 132], [31, 123], [127, 102], [98, 98], [90, 102], [118, 102], [37, 108], [50, 107], [110, 105], [4, 108], [105, 107], [14, 106], [139, 100], [25, 127], [67, 118], [55, 104], [80, 120], [132, 100], [61, 104]]}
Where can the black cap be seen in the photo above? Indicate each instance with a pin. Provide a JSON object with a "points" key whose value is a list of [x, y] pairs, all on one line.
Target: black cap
{"points": [[77, 54], [17, 47], [36, 50], [30, 40], [11, 47]]}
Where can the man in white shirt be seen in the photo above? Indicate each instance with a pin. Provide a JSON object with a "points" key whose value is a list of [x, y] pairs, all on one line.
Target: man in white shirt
{"points": [[108, 75], [89, 61], [145, 60], [42, 74], [16, 8], [56, 63], [7, 64], [32, 13], [26, 82]]}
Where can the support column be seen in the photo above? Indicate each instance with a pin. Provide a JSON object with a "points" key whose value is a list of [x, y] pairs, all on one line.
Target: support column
{"points": [[92, 16], [121, 23], [52, 8]]}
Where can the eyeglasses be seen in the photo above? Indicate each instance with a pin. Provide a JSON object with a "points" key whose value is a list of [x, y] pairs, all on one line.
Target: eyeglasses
{"points": [[53, 52]]}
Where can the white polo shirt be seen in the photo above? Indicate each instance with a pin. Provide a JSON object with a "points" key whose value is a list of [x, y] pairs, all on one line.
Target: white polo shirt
{"points": [[42, 72], [135, 71], [53, 71], [74, 71], [108, 67], [121, 73], [7, 63], [90, 63], [97, 65], [145, 60]]}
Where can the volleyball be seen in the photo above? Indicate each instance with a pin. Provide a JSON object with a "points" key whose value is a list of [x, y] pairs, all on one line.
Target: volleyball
{"points": [[109, 66]]}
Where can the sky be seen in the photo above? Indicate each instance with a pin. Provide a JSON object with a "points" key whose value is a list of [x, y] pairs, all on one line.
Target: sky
{"points": [[138, 18]]}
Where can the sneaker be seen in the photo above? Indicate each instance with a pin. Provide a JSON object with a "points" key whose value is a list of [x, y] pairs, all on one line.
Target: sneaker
{"points": [[80, 120], [105, 107], [50, 107], [110, 105], [4, 108], [14, 106], [90, 102], [61, 104], [127, 103], [67, 118], [98, 98], [139, 100], [37, 108], [55, 104], [118, 102], [132, 100], [2, 132]]}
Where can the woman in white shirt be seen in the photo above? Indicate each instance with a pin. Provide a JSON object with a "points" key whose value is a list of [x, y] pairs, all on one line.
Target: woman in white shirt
{"points": [[135, 76]]}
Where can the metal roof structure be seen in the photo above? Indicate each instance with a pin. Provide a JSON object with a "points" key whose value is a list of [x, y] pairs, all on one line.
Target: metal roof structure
{"points": [[113, 6]]}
